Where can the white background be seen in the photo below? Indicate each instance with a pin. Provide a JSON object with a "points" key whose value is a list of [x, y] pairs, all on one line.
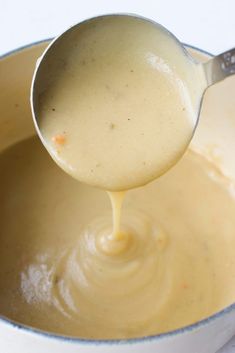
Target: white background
{"points": [[207, 24]]}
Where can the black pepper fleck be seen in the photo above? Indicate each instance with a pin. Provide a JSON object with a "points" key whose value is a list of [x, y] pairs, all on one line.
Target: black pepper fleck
{"points": [[56, 279], [112, 126]]}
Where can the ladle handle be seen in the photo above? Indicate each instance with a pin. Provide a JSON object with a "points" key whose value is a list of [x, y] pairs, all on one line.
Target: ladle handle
{"points": [[220, 67]]}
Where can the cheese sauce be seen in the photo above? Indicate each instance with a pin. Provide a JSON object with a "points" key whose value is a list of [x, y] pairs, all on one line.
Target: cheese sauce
{"points": [[176, 266]]}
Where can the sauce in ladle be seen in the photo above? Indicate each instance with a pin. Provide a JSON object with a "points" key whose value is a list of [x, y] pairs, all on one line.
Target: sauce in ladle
{"points": [[120, 105]]}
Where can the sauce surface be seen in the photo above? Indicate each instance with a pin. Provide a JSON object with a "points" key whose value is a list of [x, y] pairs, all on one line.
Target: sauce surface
{"points": [[177, 267]]}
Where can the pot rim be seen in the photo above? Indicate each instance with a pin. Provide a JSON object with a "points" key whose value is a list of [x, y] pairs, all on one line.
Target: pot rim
{"points": [[83, 341]]}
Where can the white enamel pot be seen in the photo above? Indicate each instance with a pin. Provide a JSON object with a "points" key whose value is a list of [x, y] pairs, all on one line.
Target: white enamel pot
{"points": [[215, 135]]}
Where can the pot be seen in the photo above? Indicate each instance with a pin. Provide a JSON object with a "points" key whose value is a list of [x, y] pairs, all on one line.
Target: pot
{"points": [[214, 138]]}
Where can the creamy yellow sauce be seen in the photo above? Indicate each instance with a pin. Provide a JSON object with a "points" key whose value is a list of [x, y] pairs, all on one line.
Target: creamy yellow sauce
{"points": [[117, 111], [177, 268]]}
